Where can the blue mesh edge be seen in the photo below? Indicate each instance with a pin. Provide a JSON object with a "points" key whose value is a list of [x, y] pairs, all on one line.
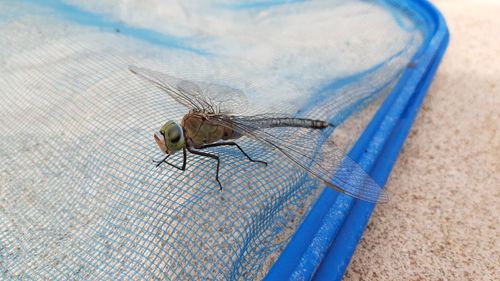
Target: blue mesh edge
{"points": [[258, 5], [83, 17], [325, 242]]}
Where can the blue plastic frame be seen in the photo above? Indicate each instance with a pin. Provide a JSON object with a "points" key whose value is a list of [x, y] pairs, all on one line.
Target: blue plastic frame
{"points": [[322, 247]]}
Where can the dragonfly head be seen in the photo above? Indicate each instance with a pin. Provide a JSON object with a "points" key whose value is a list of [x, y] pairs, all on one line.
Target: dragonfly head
{"points": [[170, 138]]}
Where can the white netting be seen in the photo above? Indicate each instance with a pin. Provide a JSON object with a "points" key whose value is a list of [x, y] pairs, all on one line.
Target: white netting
{"points": [[79, 196]]}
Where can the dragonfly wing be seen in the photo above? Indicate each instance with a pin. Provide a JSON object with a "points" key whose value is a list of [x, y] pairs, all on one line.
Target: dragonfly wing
{"points": [[322, 159], [208, 97], [169, 85], [226, 99]]}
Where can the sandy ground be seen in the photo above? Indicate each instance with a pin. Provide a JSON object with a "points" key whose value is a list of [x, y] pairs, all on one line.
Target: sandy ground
{"points": [[443, 221]]}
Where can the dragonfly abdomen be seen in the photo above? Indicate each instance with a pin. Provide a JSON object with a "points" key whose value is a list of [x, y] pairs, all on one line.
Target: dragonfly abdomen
{"points": [[290, 122]]}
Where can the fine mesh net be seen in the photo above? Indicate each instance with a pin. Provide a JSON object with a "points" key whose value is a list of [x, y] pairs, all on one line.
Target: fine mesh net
{"points": [[79, 195]]}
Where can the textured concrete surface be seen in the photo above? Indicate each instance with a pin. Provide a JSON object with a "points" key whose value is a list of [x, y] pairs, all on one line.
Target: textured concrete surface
{"points": [[443, 221]]}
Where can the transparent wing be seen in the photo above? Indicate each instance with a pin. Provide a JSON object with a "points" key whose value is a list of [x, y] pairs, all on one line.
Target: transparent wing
{"points": [[226, 99], [300, 146], [209, 97]]}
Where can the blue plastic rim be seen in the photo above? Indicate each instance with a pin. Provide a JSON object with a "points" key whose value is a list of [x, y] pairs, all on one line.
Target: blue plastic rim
{"points": [[323, 246]]}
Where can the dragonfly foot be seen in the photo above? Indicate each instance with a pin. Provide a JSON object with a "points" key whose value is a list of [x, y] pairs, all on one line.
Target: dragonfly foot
{"points": [[261, 162], [159, 162]]}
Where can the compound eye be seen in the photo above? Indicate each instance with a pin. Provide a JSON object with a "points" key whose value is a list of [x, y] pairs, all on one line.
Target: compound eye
{"points": [[174, 134]]}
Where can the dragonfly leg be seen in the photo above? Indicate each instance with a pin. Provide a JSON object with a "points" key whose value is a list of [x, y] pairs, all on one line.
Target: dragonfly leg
{"points": [[158, 163], [232, 144], [211, 156]]}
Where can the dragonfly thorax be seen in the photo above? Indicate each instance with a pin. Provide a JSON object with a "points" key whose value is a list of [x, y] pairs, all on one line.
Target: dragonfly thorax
{"points": [[170, 138], [203, 128]]}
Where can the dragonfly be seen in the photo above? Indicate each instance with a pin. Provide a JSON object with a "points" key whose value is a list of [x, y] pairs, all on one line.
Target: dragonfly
{"points": [[213, 121]]}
